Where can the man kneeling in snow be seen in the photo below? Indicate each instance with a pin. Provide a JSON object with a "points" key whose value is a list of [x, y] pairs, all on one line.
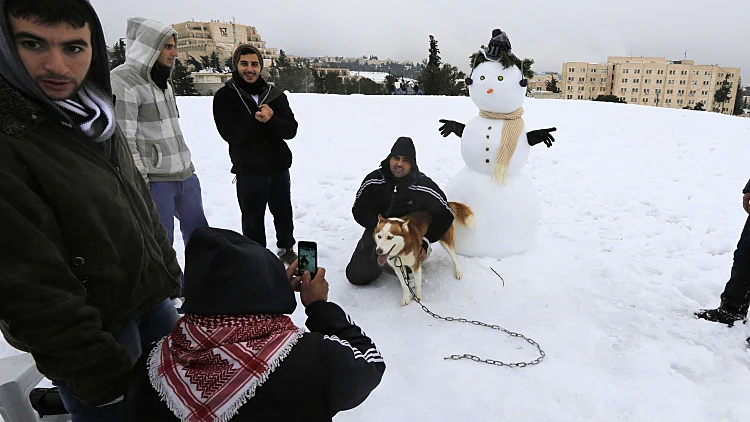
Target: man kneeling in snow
{"points": [[395, 189], [237, 356]]}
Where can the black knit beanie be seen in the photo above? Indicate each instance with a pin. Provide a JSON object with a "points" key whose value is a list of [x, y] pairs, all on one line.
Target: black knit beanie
{"points": [[228, 274], [243, 49]]}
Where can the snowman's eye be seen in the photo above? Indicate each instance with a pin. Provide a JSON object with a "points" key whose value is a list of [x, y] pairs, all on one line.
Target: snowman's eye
{"points": [[481, 78], [500, 78]]}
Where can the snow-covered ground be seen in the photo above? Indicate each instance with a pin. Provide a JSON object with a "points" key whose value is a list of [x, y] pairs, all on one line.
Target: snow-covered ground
{"points": [[641, 210]]}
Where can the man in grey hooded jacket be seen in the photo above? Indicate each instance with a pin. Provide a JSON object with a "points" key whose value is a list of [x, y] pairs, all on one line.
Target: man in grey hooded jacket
{"points": [[146, 110]]}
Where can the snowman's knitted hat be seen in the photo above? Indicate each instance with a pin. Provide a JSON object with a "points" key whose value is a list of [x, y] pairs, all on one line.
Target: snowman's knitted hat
{"points": [[499, 50]]}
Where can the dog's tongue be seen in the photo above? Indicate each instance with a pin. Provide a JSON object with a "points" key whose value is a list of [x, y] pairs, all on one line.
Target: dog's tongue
{"points": [[382, 259]]}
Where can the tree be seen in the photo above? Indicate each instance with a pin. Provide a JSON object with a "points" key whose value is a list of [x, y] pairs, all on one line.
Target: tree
{"points": [[215, 62], [609, 99], [738, 99], [722, 94], [197, 66], [228, 64], [453, 80], [117, 55], [390, 83], [182, 81], [551, 85], [700, 106], [282, 61], [430, 79]]}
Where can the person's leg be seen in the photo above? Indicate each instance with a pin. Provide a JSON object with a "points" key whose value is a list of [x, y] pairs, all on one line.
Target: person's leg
{"points": [[736, 295], [157, 322], [280, 204], [363, 268], [163, 194], [189, 207], [252, 193], [128, 337]]}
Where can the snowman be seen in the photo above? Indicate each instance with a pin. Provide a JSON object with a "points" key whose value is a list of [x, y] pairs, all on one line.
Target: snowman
{"points": [[495, 147]]}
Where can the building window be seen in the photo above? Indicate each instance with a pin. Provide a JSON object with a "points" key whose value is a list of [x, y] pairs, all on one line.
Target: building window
{"points": [[660, 72], [635, 90], [604, 80], [623, 90], [670, 91], [601, 89], [707, 73], [648, 71], [570, 97], [580, 80], [571, 79], [592, 89], [625, 70], [570, 88], [691, 102], [637, 71], [583, 69], [668, 101], [645, 100], [580, 97], [624, 80], [635, 81], [659, 81], [681, 92], [580, 88], [682, 82], [657, 90], [622, 98], [692, 93], [684, 72], [670, 82], [706, 82], [704, 92], [646, 91], [671, 72], [721, 75], [593, 70]]}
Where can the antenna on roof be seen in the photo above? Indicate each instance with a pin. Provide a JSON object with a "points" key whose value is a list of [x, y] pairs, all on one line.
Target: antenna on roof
{"points": [[685, 54]]}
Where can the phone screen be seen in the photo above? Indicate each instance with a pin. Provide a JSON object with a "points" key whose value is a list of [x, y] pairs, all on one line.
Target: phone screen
{"points": [[308, 257]]}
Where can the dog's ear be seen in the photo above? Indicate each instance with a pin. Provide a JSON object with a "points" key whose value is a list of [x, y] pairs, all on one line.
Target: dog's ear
{"points": [[405, 226], [380, 218]]}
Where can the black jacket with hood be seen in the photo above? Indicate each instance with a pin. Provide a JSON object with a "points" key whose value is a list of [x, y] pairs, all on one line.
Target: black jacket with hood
{"points": [[254, 147], [82, 252], [383, 193], [332, 368], [747, 188]]}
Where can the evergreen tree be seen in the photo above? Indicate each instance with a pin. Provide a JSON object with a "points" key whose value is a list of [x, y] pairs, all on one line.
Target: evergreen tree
{"points": [[738, 99], [117, 55], [722, 94], [182, 82], [282, 61], [390, 83], [452, 80], [205, 62], [228, 64], [431, 79], [609, 99], [551, 85], [197, 66], [215, 62], [700, 106]]}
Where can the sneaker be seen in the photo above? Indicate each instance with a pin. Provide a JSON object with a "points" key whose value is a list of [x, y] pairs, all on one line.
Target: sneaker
{"points": [[720, 315], [287, 255]]}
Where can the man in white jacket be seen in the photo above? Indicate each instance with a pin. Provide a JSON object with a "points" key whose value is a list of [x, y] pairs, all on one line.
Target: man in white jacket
{"points": [[146, 110]]}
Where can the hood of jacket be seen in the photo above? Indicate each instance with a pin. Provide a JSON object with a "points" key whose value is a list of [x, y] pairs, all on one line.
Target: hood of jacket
{"points": [[15, 74], [145, 39]]}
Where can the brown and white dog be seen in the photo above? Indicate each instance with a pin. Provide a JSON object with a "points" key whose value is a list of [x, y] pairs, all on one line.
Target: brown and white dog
{"points": [[399, 240]]}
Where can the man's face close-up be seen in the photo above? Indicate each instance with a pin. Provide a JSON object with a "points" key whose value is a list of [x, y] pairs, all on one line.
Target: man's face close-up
{"points": [[400, 166], [168, 53], [249, 67], [57, 57]]}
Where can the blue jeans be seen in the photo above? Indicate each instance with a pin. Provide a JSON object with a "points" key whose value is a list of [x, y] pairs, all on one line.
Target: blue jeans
{"points": [[156, 323], [254, 192], [182, 200]]}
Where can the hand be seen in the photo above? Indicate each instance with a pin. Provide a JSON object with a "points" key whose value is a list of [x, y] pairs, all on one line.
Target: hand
{"points": [[313, 290], [541, 135], [264, 114], [294, 278], [449, 126], [422, 255], [746, 202]]}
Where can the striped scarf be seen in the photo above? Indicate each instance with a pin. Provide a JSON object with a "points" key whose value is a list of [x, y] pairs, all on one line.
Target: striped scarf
{"points": [[512, 130], [208, 367], [93, 115]]}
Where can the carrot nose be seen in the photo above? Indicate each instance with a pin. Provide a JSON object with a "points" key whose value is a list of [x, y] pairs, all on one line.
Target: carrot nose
{"points": [[490, 91]]}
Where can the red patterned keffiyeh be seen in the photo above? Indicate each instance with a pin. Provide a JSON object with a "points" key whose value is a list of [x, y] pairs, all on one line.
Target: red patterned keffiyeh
{"points": [[208, 367]]}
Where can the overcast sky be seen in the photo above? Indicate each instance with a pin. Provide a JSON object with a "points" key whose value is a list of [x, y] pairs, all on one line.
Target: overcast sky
{"points": [[712, 32]]}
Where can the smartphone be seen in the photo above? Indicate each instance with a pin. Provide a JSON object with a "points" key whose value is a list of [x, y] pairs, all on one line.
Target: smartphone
{"points": [[307, 254]]}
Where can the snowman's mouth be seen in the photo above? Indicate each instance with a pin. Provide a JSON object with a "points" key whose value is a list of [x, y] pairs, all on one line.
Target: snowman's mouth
{"points": [[382, 259]]}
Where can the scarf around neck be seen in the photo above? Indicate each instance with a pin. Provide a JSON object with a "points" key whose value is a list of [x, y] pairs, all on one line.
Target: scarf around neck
{"points": [[94, 114], [255, 88], [512, 130], [208, 367]]}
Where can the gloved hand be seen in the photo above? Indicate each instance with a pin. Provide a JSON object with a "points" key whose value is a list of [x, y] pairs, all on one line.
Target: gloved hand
{"points": [[449, 126], [541, 135]]}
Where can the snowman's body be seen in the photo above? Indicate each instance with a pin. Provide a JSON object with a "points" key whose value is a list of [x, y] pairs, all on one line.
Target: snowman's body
{"points": [[506, 214]]}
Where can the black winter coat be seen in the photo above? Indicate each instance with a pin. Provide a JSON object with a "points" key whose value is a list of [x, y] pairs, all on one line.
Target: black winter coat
{"points": [[382, 193], [331, 369], [747, 188], [255, 147], [82, 251]]}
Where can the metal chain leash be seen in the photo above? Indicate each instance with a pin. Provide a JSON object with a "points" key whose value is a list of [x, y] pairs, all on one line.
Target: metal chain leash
{"points": [[398, 264]]}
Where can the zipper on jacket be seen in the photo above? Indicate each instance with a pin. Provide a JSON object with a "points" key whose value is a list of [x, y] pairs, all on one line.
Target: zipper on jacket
{"points": [[393, 201]]}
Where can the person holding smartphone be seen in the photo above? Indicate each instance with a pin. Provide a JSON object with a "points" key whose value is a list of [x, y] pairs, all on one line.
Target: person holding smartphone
{"points": [[236, 355], [736, 296]]}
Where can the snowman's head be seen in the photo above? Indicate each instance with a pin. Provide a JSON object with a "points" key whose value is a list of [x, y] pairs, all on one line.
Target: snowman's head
{"points": [[497, 89]]}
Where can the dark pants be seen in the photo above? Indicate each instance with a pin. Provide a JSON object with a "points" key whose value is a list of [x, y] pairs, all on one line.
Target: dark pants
{"points": [[156, 323], [254, 192], [736, 296], [363, 268], [182, 200]]}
